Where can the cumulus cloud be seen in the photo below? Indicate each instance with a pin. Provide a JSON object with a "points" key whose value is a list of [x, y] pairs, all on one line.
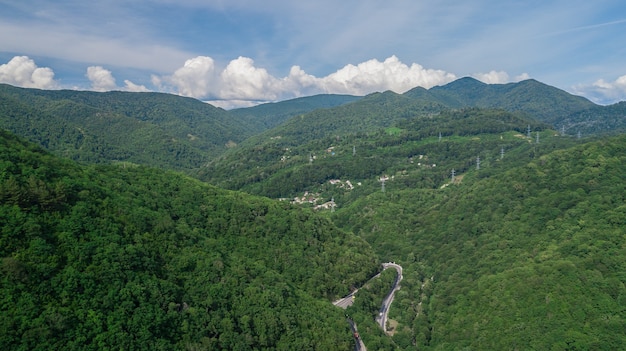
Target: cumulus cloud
{"points": [[196, 78], [603, 92], [130, 86], [102, 80], [23, 72], [390, 74], [242, 80], [241, 83], [499, 77]]}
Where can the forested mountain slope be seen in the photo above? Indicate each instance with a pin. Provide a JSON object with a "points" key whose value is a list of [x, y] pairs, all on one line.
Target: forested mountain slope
{"points": [[538, 100], [521, 247], [113, 257], [270, 115], [526, 257], [530, 99], [597, 118], [285, 165], [148, 128], [565, 112], [173, 132]]}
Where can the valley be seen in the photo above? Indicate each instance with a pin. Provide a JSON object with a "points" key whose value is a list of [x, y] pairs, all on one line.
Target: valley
{"points": [[158, 222]]}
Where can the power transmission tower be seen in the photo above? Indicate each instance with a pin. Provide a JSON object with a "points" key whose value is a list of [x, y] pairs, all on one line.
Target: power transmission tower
{"points": [[452, 180], [310, 158], [563, 130], [477, 162], [528, 131], [382, 181], [537, 141], [440, 136], [353, 150], [332, 204], [502, 152], [578, 135]]}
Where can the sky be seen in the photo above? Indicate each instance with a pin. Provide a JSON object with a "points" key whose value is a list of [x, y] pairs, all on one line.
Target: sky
{"points": [[235, 53]]}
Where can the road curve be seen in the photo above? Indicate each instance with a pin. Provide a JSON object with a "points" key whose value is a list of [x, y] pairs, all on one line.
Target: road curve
{"points": [[346, 301], [381, 319], [359, 345]]}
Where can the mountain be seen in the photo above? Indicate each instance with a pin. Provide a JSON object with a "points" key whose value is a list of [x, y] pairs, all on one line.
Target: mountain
{"points": [[507, 241], [303, 156], [538, 100], [509, 237], [369, 114], [168, 131], [112, 257], [508, 256], [596, 119], [148, 128], [267, 116]]}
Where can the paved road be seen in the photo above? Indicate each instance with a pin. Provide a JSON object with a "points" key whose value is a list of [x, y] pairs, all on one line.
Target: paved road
{"points": [[359, 345], [381, 319], [346, 301]]}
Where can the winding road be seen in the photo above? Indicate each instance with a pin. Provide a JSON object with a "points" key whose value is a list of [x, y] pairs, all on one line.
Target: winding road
{"points": [[384, 309], [381, 319]]}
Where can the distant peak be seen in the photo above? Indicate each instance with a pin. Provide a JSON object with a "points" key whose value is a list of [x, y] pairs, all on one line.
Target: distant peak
{"points": [[462, 82], [468, 80]]}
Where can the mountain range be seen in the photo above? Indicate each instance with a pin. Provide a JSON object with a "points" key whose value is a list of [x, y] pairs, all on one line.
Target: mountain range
{"points": [[152, 221], [182, 133]]}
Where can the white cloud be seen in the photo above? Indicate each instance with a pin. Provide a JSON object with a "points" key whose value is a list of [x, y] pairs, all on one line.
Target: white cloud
{"points": [[390, 74], [196, 78], [493, 77], [231, 104], [22, 71], [130, 86], [499, 77], [242, 80], [102, 80], [604, 92]]}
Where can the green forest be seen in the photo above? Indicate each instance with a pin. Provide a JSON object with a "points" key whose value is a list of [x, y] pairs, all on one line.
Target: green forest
{"points": [[531, 258], [531, 241], [150, 221], [112, 257]]}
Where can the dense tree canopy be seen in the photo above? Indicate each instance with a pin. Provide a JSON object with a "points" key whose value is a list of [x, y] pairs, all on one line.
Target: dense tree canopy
{"points": [[530, 258], [510, 230], [133, 258]]}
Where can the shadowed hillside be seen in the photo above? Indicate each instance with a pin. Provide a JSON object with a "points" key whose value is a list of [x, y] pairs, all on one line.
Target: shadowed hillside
{"points": [[135, 258]]}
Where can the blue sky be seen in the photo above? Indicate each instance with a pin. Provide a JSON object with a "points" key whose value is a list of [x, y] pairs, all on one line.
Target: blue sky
{"points": [[241, 52]]}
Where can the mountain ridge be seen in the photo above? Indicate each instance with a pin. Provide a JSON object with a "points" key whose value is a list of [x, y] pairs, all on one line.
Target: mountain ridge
{"points": [[107, 256], [510, 232], [170, 131], [153, 128]]}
